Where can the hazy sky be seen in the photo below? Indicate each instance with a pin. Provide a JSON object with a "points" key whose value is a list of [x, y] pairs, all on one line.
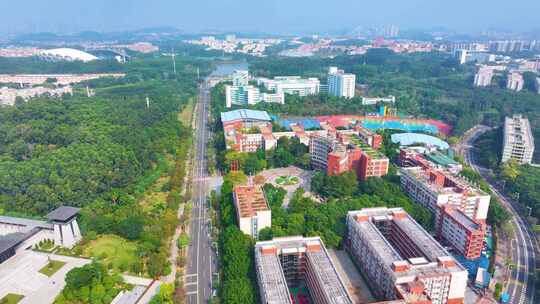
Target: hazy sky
{"points": [[266, 15]]}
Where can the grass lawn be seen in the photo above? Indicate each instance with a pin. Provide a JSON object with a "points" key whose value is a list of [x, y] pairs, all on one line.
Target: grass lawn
{"points": [[11, 298], [185, 116], [52, 267], [113, 250]]}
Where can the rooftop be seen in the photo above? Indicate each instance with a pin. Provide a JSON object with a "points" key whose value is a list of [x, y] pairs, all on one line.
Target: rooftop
{"points": [[245, 114], [249, 200], [463, 219], [357, 141], [407, 139], [62, 213], [433, 253], [274, 283]]}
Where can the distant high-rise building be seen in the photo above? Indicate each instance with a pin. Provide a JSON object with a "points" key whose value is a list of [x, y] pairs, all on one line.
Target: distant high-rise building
{"points": [[518, 141], [515, 81], [537, 85], [391, 31], [466, 56], [483, 77], [230, 38], [341, 84]]}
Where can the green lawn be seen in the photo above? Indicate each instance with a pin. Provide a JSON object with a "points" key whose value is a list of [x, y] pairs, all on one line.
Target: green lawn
{"points": [[113, 250], [11, 298], [52, 267]]}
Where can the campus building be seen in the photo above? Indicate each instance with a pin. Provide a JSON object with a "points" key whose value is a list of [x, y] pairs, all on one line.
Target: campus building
{"points": [[434, 188], [291, 85], [515, 81], [461, 232], [341, 84], [349, 150], [400, 260], [252, 211], [283, 263], [241, 95], [518, 141], [460, 210], [18, 234]]}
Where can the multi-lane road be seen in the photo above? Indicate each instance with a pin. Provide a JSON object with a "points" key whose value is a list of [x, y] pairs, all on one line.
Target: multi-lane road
{"points": [[521, 286], [201, 262]]}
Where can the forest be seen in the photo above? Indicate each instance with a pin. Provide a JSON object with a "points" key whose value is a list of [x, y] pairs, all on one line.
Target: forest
{"points": [[103, 154]]}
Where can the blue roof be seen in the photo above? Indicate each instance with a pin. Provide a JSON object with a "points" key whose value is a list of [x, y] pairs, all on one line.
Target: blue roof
{"points": [[407, 139], [243, 114]]}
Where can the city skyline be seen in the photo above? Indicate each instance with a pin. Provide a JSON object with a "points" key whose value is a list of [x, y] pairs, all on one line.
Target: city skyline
{"points": [[270, 16]]}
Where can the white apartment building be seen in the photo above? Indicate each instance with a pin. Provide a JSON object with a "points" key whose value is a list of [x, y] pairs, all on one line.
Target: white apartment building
{"points": [[273, 97], [241, 95], [433, 188], [252, 210], [515, 81], [483, 77], [518, 141], [291, 85], [400, 260], [341, 84], [240, 78], [466, 56], [537, 85]]}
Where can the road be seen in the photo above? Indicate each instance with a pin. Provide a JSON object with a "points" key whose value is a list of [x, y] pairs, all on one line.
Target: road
{"points": [[521, 286], [201, 259]]}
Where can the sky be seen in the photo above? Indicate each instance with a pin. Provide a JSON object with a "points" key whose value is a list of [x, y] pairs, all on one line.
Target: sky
{"points": [[270, 16]]}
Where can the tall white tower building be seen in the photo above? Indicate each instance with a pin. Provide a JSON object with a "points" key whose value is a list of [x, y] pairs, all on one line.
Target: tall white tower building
{"points": [[341, 84]]}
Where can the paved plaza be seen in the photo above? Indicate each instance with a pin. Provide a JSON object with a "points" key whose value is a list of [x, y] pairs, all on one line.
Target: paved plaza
{"points": [[20, 275], [304, 182]]}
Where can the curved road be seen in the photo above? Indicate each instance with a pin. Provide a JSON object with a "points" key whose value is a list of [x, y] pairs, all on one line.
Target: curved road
{"points": [[521, 286]]}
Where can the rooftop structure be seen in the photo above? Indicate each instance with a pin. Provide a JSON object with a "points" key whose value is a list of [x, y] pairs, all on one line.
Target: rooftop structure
{"points": [[66, 54], [284, 262], [245, 115], [408, 139], [19, 233], [518, 141], [252, 210], [400, 260]]}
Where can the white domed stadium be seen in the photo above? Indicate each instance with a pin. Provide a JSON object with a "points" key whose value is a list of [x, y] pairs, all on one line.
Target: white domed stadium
{"points": [[66, 54]]}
